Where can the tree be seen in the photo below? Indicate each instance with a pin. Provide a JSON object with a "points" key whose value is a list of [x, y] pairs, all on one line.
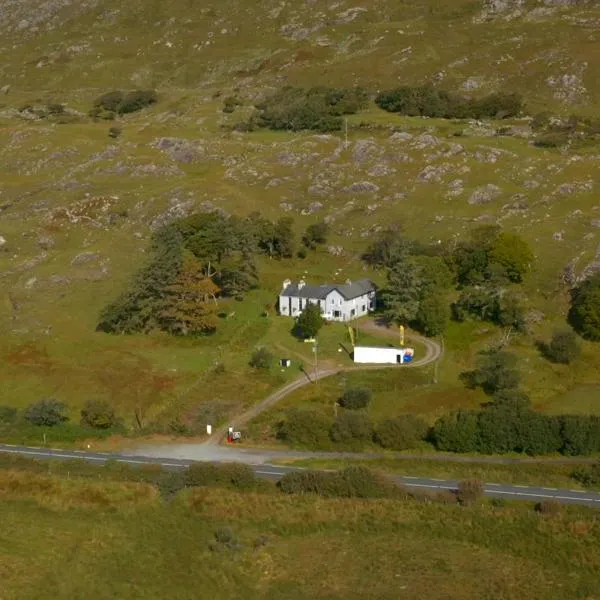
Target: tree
{"points": [[261, 359], [98, 414], [190, 303], [284, 238], [496, 371], [513, 253], [315, 234], [356, 398], [584, 315], [563, 348], [401, 433], [46, 413], [390, 248], [237, 278], [433, 314], [457, 432], [403, 292], [309, 322]]}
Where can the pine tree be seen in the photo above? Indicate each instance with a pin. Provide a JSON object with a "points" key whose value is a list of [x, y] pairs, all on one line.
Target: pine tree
{"points": [[190, 302], [403, 292]]}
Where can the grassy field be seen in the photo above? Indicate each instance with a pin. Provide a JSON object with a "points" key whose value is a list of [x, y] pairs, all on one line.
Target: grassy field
{"points": [[77, 208], [73, 538]]}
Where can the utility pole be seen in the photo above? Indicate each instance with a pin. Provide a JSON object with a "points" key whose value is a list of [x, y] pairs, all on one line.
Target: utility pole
{"points": [[346, 132], [316, 362]]}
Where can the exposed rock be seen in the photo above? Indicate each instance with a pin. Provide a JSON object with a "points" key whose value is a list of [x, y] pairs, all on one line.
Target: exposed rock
{"points": [[533, 317], [365, 150], [5, 89], [595, 223], [485, 194], [335, 250], [2, 241], [592, 268], [85, 257], [381, 170], [361, 187], [45, 242], [470, 84], [425, 140], [432, 173], [569, 87], [179, 150], [400, 136], [286, 206], [455, 188], [558, 236]]}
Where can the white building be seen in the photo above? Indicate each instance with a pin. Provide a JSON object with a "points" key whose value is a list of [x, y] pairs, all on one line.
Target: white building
{"points": [[338, 302], [373, 355]]}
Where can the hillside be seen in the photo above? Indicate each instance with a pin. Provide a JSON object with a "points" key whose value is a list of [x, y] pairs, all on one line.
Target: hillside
{"points": [[77, 207]]}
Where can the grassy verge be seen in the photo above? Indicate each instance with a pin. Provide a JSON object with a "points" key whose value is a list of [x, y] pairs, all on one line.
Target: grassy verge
{"points": [[542, 474]]}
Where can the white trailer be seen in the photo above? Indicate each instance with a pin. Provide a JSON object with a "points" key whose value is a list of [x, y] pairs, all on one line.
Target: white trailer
{"points": [[374, 355]]}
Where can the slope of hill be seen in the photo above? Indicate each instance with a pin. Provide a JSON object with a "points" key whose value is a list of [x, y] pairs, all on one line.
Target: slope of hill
{"points": [[77, 207]]}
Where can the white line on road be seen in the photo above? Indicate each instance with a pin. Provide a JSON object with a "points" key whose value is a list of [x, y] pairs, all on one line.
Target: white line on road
{"points": [[509, 493], [491, 484], [550, 489], [51, 455], [270, 472]]}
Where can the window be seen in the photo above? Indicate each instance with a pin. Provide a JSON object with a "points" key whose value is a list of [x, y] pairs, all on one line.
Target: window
{"points": [[352, 312], [364, 308], [337, 314]]}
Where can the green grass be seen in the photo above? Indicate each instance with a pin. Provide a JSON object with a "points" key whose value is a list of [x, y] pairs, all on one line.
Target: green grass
{"points": [[102, 540], [539, 473]]}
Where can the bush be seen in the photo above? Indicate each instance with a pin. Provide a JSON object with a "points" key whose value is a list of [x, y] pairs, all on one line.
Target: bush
{"points": [[352, 429], [98, 414], [136, 100], [109, 101], [469, 491], [55, 109], [235, 475], [46, 413], [225, 539], [584, 315], [8, 414], [401, 433], [354, 482], [356, 398], [305, 428], [587, 476], [261, 359], [114, 132], [563, 348]]}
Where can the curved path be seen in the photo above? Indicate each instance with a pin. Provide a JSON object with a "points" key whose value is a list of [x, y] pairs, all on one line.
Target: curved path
{"points": [[433, 352]]}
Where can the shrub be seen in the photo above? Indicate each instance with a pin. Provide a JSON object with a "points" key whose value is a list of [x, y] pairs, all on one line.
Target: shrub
{"points": [[110, 100], [305, 428], [8, 414], [563, 348], [309, 322], [136, 100], [550, 508], [356, 398], [353, 429], [236, 475], [354, 482], [98, 414], [261, 359], [46, 413], [469, 491], [225, 538], [584, 315], [114, 132], [587, 476], [457, 432], [55, 109], [401, 433]]}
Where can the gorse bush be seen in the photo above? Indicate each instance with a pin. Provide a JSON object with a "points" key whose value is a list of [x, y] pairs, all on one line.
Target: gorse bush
{"points": [[352, 429], [563, 348], [401, 433], [235, 475], [426, 101], [125, 102], [261, 359], [98, 414], [305, 428], [317, 109]]}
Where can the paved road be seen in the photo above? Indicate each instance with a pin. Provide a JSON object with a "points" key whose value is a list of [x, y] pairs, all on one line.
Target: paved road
{"points": [[433, 352], [275, 472]]}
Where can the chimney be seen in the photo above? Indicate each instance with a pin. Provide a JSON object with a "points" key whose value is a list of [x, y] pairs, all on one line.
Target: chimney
{"points": [[285, 284], [301, 284], [348, 282]]}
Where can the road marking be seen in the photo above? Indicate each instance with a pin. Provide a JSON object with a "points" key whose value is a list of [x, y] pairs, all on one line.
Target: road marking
{"points": [[52, 455], [128, 460], [550, 489], [426, 485], [434, 479], [520, 486], [410, 477], [491, 484], [171, 465], [580, 498], [270, 472]]}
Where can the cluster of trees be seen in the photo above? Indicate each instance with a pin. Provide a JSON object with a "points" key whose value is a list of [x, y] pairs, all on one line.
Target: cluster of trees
{"points": [[50, 412], [317, 109], [117, 102], [194, 261], [508, 423], [426, 101], [351, 429], [584, 315], [420, 279]]}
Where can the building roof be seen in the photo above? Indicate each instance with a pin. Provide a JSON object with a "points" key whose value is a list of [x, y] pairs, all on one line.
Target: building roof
{"points": [[348, 291]]}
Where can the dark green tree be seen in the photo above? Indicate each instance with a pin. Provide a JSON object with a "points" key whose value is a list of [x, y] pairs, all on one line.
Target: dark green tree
{"points": [[388, 250], [402, 294], [261, 359], [236, 278], [584, 315], [283, 238], [457, 432], [306, 428], [351, 429], [309, 322]]}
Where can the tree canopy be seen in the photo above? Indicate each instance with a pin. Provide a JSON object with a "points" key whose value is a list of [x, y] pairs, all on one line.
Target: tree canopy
{"points": [[584, 315], [309, 322]]}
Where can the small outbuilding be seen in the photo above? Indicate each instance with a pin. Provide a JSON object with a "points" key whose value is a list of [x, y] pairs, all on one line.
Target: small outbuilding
{"points": [[376, 355]]}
